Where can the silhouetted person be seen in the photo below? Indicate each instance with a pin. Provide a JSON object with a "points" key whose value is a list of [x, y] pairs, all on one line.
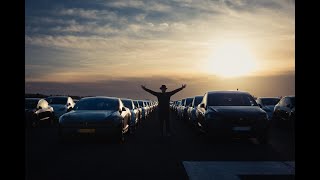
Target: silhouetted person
{"points": [[164, 105]]}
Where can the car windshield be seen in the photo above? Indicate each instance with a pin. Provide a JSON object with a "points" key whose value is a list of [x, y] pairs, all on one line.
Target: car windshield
{"points": [[97, 104], [269, 101], [31, 103], [141, 104], [127, 103], [293, 101], [136, 103], [230, 99], [188, 101], [57, 100], [197, 100]]}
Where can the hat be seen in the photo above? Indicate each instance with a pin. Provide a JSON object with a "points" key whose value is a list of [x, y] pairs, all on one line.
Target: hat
{"points": [[163, 87]]}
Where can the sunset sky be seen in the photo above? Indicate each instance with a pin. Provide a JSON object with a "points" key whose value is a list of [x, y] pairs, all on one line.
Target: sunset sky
{"points": [[104, 47]]}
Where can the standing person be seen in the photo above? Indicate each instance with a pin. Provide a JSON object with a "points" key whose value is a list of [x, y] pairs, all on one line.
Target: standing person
{"points": [[164, 106]]}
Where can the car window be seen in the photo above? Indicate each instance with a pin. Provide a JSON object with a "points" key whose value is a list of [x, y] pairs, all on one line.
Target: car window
{"points": [[230, 99], [97, 104], [293, 101], [269, 101], [57, 100], [127, 103]]}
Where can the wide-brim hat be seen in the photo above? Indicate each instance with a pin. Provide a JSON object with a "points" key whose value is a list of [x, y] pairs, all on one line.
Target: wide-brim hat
{"points": [[163, 87]]}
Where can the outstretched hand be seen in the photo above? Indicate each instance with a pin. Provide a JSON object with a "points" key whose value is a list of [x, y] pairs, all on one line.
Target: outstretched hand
{"points": [[184, 85]]}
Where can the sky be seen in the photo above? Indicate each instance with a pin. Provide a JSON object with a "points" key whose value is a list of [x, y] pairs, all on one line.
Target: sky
{"points": [[105, 47]]}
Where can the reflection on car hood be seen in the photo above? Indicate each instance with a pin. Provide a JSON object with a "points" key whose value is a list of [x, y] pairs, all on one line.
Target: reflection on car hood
{"points": [[237, 111], [57, 106], [87, 115], [271, 107]]}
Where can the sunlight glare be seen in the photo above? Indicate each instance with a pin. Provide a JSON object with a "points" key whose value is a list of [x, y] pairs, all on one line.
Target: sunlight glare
{"points": [[231, 60]]}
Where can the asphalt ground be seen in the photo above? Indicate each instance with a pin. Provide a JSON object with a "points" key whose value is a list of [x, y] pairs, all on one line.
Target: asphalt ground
{"points": [[146, 154]]}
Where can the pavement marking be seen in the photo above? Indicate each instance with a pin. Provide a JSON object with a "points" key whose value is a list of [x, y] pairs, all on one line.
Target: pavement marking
{"points": [[229, 170]]}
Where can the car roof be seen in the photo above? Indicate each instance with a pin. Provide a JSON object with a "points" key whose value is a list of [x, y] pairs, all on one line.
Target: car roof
{"points": [[268, 98], [228, 91], [101, 97], [291, 96]]}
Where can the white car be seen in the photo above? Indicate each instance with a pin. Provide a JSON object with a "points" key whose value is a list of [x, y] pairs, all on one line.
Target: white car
{"points": [[60, 104]]}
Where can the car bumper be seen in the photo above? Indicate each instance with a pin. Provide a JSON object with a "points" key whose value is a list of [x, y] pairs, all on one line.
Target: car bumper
{"points": [[247, 129]]}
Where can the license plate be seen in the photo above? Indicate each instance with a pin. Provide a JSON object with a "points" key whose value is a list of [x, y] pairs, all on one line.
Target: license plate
{"points": [[242, 128], [86, 130]]}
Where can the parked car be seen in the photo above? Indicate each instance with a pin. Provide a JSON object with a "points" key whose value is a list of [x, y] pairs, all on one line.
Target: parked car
{"points": [[180, 109], [144, 109], [96, 115], [228, 113], [134, 117], [185, 108], [37, 111], [60, 104], [136, 104], [192, 109], [284, 112], [268, 104]]}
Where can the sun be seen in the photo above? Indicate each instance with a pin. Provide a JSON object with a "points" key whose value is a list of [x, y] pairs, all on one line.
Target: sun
{"points": [[231, 60]]}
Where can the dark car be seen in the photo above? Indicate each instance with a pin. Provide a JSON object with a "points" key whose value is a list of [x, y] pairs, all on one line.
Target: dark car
{"points": [[268, 104], [192, 109], [38, 111], [60, 104], [134, 112], [136, 104], [96, 115], [227, 113], [284, 112]]}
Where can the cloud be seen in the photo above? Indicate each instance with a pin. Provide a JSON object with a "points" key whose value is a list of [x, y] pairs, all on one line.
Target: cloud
{"points": [[176, 37]]}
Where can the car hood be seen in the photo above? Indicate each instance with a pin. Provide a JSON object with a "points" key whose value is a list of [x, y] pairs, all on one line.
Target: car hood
{"points": [[270, 107], [88, 115], [57, 106], [237, 111]]}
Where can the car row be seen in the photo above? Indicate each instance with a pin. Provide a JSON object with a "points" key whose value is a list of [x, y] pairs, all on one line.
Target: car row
{"points": [[233, 113], [90, 115]]}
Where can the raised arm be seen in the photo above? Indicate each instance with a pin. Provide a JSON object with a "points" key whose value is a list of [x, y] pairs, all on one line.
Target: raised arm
{"points": [[149, 91], [177, 90]]}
